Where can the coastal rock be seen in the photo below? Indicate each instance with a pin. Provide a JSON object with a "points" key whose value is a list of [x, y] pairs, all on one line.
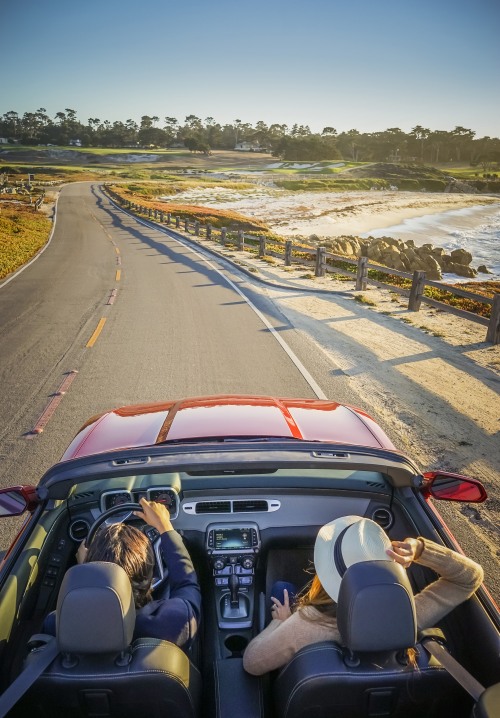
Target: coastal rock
{"points": [[484, 269], [461, 256], [461, 269], [462, 187], [432, 268], [404, 256], [393, 258]]}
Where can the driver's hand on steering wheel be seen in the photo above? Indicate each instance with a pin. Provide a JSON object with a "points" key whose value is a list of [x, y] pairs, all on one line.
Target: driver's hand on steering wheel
{"points": [[156, 515]]}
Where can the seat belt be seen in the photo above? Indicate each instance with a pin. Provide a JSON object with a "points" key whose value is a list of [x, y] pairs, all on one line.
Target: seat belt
{"points": [[25, 680], [430, 640]]}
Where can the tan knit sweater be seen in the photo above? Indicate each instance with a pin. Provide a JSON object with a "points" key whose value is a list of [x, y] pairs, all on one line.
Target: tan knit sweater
{"points": [[459, 577]]}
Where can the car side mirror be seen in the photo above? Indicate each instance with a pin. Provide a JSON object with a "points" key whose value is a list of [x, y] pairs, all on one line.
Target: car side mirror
{"points": [[446, 486], [17, 499]]}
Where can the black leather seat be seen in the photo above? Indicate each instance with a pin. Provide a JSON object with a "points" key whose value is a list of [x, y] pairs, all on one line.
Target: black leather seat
{"points": [[99, 671], [369, 675]]}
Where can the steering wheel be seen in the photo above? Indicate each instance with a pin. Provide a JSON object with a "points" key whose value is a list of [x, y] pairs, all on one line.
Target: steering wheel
{"points": [[160, 571]]}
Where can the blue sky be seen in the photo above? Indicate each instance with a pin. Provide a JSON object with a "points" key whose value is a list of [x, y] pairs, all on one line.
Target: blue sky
{"points": [[356, 64]]}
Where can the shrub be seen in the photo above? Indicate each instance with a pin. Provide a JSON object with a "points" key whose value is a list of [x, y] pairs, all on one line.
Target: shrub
{"points": [[364, 300], [434, 185]]}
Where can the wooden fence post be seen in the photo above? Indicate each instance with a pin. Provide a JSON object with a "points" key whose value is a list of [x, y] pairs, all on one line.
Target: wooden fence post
{"points": [[262, 246], [223, 233], [169, 218], [150, 212], [493, 334], [177, 222], [362, 275], [241, 240], [161, 217], [186, 224], [416, 291], [288, 253], [320, 262], [197, 228], [209, 231]]}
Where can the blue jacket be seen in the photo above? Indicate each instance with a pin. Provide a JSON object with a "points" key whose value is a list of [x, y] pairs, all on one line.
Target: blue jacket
{"points": [[175, 618]]}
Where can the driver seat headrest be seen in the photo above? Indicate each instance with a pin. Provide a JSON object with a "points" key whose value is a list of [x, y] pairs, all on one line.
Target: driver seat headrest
{"points": [[376, 610], [95, 609]]}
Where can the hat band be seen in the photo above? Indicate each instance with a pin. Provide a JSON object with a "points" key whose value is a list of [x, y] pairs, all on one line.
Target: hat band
{"points": [[337, 553]]}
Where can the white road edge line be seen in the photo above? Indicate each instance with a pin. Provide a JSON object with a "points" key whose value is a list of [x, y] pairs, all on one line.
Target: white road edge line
{"points": [[307, 376]]}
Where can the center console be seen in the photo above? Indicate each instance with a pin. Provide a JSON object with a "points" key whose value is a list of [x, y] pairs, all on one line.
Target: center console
{"points": [[233, 549]]}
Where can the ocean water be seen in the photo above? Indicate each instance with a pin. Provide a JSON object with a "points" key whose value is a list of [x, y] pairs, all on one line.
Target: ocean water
{"points": [[476, 229]]}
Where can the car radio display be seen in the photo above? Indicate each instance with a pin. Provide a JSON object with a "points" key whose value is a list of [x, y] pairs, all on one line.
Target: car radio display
{"points": [[232, 539]]}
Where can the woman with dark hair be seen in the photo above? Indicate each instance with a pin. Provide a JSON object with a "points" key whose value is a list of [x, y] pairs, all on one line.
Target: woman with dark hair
{"points": [[131, 549], [175, 618], [340, 544]]}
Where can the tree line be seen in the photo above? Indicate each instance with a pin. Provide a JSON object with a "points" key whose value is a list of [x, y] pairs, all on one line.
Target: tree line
{"points": [[297, 142]]}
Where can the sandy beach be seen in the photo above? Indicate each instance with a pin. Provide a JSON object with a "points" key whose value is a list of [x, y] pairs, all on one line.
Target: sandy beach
{"points": [[329, 214]]}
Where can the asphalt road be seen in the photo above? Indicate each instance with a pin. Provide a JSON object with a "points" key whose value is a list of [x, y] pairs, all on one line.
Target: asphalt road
{"points": [[138, 316]]}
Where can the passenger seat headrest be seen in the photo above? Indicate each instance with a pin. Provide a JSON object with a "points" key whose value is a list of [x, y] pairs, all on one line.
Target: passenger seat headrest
{"points": [[376, 610], [95, 609]]}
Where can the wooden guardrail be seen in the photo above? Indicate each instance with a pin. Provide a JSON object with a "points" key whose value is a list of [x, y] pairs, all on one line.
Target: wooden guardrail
{"points": [[323, 262]]}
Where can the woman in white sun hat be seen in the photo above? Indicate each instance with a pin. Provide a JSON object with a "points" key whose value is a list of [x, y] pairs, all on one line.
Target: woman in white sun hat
{"points": [[339, 544]]}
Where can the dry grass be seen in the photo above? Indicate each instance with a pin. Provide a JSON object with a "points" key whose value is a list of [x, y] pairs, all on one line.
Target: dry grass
{"points": [[206, 215], [23, 232]]}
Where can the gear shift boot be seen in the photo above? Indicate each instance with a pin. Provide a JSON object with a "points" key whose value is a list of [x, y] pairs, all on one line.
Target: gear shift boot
{"points": [[230, 611]]}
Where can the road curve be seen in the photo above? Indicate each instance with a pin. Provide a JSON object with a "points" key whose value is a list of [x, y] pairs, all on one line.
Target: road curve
{"points": [[117, 312]]}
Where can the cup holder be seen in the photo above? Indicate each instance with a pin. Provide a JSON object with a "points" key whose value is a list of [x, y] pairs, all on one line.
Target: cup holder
{"points": [[236, 644]]}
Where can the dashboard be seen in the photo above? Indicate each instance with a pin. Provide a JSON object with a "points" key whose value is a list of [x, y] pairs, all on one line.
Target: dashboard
{"points": [[164, 495]]}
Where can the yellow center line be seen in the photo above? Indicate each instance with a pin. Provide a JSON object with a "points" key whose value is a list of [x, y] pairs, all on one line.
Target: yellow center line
{"points": [[118, 274], [117, 250], [95, 335]]}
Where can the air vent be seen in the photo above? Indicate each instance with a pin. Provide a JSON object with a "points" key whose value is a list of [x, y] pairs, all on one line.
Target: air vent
{"points": [[83, 495], [383, 517], [213, 507], [248, 505], [79, 530]]}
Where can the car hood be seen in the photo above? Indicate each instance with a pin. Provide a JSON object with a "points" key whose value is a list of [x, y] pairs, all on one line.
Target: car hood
{"points": [[224, 417]]}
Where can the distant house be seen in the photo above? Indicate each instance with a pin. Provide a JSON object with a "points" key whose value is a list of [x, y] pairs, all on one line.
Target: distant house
{"points": [[4, 141], [75, 143], [249, 147]]}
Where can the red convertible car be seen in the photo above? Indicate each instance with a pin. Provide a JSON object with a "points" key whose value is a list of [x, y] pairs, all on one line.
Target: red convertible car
{"points": [[248, 482]]}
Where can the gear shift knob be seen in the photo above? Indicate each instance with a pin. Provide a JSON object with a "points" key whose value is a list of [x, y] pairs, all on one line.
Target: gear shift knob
{"points": [[234, 583]]}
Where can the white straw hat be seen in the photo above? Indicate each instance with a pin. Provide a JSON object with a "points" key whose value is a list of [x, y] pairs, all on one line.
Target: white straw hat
{"points": [[347, 540]]}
